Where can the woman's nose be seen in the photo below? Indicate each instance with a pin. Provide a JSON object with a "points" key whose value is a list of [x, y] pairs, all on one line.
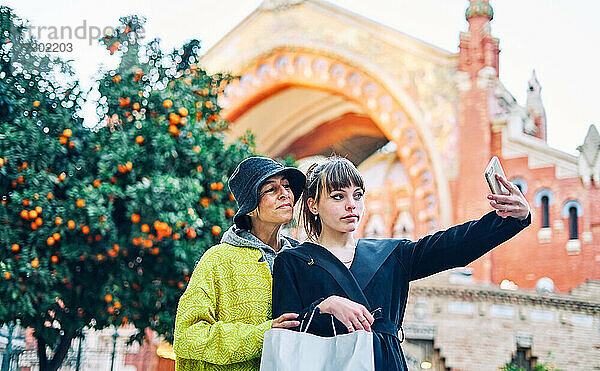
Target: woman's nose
{"points": [[284, 192], [351, 205]]}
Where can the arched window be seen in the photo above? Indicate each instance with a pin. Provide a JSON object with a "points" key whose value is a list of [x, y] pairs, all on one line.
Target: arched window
{"points": [[543, 199], [572, 210], [545, 212], [573, 226]]}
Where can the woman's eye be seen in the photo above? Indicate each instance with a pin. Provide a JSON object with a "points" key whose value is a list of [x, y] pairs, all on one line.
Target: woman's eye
{"points": [[358, 196], [337, 196], [286, 186]]}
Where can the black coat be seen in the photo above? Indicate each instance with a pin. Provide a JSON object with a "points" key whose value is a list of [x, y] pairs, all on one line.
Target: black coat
{"points": [[379, 277]]}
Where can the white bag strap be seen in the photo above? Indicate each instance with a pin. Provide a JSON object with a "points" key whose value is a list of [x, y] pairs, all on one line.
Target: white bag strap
{"points": [[310, 320]]}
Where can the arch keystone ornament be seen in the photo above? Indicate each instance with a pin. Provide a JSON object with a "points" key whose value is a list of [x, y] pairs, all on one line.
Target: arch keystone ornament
{"points": [[270, 76]]}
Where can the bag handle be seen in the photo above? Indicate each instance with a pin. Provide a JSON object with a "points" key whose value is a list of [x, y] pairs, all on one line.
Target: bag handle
{"points": [[310, 320]]}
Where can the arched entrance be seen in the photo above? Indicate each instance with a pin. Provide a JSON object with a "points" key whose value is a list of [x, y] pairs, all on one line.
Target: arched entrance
{"points": [[306, 103]]}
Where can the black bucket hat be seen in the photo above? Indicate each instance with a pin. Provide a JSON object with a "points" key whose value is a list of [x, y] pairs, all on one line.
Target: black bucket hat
{"points": [[249, 176]]}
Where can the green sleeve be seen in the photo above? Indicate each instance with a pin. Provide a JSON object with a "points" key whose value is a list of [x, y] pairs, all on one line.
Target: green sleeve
{"points": [[199, 336]]}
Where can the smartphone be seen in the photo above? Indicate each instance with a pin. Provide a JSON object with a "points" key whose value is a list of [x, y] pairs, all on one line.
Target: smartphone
{"points": [[491, 170]]}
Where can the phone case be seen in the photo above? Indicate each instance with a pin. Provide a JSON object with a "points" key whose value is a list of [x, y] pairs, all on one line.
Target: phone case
{"points": [[491, 170]]}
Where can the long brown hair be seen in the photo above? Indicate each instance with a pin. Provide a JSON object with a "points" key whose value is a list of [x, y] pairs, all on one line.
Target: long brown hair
{"points": [[330, 175]]}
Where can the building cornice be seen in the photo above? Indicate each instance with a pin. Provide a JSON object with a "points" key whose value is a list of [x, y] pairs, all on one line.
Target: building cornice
{"points": [[519, 297]]}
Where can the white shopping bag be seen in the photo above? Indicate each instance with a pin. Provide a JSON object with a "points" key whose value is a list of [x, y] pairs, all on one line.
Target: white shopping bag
{"points": [[287, 350]]}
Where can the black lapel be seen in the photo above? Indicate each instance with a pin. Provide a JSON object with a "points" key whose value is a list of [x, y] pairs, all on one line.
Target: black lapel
{"points": [[369, 256], [318, 255]]}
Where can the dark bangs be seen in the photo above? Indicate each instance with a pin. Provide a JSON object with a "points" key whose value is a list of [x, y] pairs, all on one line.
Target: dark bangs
{"points": [[340, 173]]}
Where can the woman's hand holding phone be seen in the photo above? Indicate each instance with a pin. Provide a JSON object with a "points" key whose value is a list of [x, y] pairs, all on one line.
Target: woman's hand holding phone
{"points": [[514, 204]]}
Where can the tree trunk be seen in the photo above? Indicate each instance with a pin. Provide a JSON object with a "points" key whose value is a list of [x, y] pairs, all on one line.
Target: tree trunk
{"points": [[59, 353]]}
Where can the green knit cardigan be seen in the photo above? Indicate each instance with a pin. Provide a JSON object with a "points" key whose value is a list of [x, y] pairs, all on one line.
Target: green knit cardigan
{"points": [[225, 311]]}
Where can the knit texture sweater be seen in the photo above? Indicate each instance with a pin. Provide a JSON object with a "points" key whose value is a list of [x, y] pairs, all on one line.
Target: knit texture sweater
{"points": [[225, 311]]}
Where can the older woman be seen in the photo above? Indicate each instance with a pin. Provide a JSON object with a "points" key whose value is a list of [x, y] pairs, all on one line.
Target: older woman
{"points": [[364, 283], [226, 309]]}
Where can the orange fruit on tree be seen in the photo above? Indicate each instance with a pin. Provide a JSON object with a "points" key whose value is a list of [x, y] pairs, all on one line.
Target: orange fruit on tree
{"points": [[38, 209], [116, 247], [36, 103], [108, 298], [20, 179], [174, 118], [176, 236], [135, 218], [173, 130], [97, 183], [80, 203], [85, 229], [62, 176], [229, 213], [136, 106], [33, 226], [71, 145], [117, 305], [98, 237], [50, 241], [199, 168], [54, 259], [58, 221], [139, 139], [67, 133], [24, 214], [191, 233], [56, 236], [208, 104], [1, 162], [205, 202], [33, 214], [183, 111], [116, 78], [113, 180], [123, 102], [38, 221], [213, 186], [167, 103], [49, 196], [111, 310], [216, 230], [71, 224], [35, 263], [145, 228], [147, 243], [129, 165], [15, 247]]}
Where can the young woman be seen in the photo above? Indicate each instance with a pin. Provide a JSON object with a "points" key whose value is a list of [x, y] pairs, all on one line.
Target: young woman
{"points": [[226, 309], [364, 284]]}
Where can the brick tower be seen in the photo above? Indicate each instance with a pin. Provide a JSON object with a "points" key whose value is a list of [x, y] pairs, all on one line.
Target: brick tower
{"points": [[477, 66]]}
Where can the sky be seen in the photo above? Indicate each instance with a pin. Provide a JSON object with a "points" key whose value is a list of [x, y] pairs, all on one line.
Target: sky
{"points": [[557, 38]]}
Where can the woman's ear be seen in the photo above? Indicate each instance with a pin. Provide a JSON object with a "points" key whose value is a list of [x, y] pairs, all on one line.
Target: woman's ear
{"points": [[312, 206]]}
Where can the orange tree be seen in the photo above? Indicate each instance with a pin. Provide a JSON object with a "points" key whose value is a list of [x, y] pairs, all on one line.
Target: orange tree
{"points": [[102, 227]]}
